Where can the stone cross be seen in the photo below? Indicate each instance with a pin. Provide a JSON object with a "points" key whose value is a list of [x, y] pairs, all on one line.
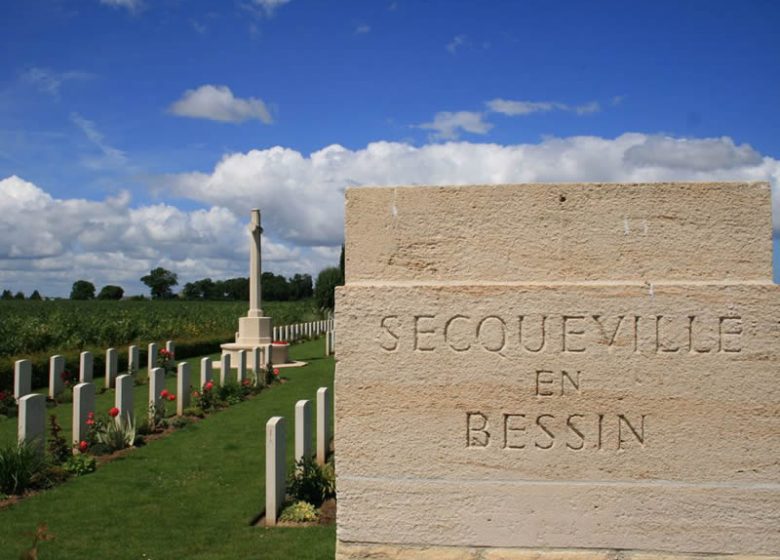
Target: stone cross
{"points": [[255, 266]]}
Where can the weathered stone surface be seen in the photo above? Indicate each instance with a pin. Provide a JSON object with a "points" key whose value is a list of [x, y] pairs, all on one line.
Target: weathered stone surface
{"points": [[519, 371]]}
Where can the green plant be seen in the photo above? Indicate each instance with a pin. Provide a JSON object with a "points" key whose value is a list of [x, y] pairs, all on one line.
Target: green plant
{"points": [[310, 482], [206, 399], [19, 464], [230, 393], [300, 512], [81, 464], [157, 414], [7, 403], [180, 422], [117, 434], [194, 411], [59, 449]]}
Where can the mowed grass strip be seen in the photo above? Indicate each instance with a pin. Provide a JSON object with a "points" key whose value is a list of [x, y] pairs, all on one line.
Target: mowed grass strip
{"points": [[190, 495]]}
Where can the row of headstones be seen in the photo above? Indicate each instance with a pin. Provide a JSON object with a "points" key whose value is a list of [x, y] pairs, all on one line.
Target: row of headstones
{"points": [[276, 448], [298, 331], [32, 407], [23, 369]]}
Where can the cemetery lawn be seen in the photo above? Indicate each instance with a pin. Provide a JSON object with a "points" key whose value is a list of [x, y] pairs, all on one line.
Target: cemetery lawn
{"points": [[189, 495]]}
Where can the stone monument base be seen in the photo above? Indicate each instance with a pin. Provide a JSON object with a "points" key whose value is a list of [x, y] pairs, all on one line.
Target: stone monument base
{"points": [[373, 551]]}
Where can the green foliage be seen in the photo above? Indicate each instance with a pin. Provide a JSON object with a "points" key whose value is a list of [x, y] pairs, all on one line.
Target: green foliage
{"points": [[310, 482], [7, 403], [82, 289], [325, 288], [231, 393], [194, 412], [180, 422], [19, 295], [35, 296], [160, 282], [115, 434], [300, 512], [81, 464], [109, 292], [19, 466], [59, 450], [7, 295]]}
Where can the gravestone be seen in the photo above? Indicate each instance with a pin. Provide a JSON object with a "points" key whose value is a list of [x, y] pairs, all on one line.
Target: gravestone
{"points": [[83, 404], [206, 372], [112, 367], [56, 367], [32, 421], [123, 398], [22, 378], [302, 430], [540, 371], [133, 360], [183, 387], [86, 367]]}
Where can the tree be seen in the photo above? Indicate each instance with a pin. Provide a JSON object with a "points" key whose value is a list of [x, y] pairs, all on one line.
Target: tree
{"points": [[325, 288], [7, 295], [35, 296], [82, 289], [301, 286], [19, 295], [111, 292], [275, 288], [160, 282], [342, 265]]}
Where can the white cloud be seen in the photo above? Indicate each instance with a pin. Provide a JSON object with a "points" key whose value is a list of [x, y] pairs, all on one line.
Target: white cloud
{"points": [[457, 42], [362, 29], [48, 81], [110, 157], [132, 6], [217, 103], [269, 6], [48, 243], [521, 108], [447, 125]]}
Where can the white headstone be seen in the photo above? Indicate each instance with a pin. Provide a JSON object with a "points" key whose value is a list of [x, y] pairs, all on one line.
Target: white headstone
{"points": [[22, 378], [241, 366], [256, 360], [323, 424], [123, 398], [56, 367], [112, 367], [156, 385], [224, 373], [302, 430], [133, 360], [205, 371], [275, 471], [86, 367], [32, 421], [183, 387], [83, 404], [151, 357], [170, 346]]}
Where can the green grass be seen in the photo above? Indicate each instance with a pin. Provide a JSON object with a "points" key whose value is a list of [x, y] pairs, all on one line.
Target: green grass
{"points": [[190, 495]]}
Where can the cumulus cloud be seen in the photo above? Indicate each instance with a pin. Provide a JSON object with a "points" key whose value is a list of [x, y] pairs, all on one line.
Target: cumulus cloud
{"points": [[521, 108], [302, 197], [132, 6], [47, 243], [217, 103], [448, 125]]}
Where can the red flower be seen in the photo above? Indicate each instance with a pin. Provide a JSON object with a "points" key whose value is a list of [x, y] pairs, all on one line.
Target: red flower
{"points": [[90, 415], [113, 412], [90, 421], [171, 397], [208, 386], [245, 382], [164, 393], [276, 371], [83, 446]]}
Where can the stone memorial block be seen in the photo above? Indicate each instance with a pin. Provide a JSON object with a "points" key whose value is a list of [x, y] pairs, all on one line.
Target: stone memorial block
{"points": [[183, 387], [151, 356], [275, 468], [302, 430], [588, 368], [206, 371], [323, 424], [86, 367], [123, 398], [83, 404], [133, 360], [22, 378], [224, 370], [156, 385], [112, 367], [32, 421], [56, 367]]}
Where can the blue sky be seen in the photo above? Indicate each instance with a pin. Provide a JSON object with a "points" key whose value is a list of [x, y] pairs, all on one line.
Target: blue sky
{"points": [[140, 132]]}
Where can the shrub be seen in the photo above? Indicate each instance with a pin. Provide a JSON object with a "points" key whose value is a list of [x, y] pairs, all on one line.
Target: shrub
{"points": [[180, 422], [310, 482], [116, 434], [194, 411], [19, 465], [79, 465], [59, 449], [300, 512], [7, 403]]}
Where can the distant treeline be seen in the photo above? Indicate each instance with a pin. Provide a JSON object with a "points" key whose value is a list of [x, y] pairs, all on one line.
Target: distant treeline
{"points": [[274, 288]]}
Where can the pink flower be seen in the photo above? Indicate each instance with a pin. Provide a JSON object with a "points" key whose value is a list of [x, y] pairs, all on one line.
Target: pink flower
{"points": [[164, 393], [171, 397], [83, 446], [113, 412], [276, 371], [90, 421]]}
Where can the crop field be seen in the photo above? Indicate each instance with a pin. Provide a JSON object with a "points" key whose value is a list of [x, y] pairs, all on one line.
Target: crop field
{"points": [[32, 327]]}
